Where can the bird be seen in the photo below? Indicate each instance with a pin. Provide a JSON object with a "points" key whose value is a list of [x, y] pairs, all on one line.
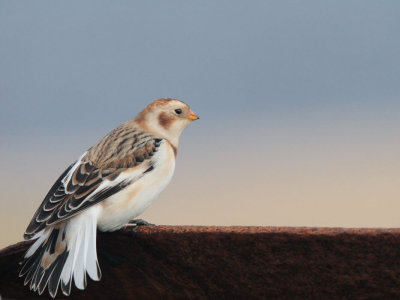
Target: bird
{"points": [[108, 186]]}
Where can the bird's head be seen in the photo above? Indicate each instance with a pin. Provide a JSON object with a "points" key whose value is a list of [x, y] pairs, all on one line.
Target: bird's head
{"points": [[166, 118]]}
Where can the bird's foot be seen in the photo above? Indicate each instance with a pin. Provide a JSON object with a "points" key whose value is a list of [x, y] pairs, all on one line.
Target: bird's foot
{"points": [[137, 223], [141, 222]]}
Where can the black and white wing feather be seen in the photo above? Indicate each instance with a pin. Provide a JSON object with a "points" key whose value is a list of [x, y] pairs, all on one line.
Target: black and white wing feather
{"points": [[89, 181]]}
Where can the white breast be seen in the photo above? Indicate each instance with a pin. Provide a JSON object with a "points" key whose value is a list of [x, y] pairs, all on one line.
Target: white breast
{"points": [[130, 202]]}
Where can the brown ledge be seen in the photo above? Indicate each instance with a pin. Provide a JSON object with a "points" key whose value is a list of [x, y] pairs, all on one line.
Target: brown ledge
{"points": [[190, 262]]}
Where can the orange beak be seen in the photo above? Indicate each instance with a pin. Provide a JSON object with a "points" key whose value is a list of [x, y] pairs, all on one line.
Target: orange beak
{"points": [[193, 116]]}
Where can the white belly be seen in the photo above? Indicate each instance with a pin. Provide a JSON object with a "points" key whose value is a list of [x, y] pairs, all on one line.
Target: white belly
{"points": [[130, 202]]}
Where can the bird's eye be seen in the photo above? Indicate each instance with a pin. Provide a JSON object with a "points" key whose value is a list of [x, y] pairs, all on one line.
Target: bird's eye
{"points": [[178, 111]]}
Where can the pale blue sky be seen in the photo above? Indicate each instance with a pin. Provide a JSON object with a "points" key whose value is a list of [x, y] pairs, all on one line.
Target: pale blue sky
{"points": [[298, 100], [71, 64]]}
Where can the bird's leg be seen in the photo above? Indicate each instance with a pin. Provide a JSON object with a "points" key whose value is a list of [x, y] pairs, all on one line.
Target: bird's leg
{"points": [[137, 223], [140, 222]]}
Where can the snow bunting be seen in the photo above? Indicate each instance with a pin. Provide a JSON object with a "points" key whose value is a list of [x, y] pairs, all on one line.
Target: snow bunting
{"points": [[110, 184]]}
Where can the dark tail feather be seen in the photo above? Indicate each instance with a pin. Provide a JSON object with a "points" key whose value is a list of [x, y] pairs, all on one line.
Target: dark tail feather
{"points": [[56, 273], [40, 272], [66, 287]]}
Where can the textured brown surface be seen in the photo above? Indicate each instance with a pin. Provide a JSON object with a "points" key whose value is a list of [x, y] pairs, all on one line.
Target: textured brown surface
{"points": [[173, 262]]}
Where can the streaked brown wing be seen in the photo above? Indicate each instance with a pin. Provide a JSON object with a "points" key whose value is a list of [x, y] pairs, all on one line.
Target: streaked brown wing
{"points": [[77, 188]]}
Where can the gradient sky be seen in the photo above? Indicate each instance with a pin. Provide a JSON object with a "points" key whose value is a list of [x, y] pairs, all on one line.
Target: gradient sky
{"points": [[299, 104]]}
